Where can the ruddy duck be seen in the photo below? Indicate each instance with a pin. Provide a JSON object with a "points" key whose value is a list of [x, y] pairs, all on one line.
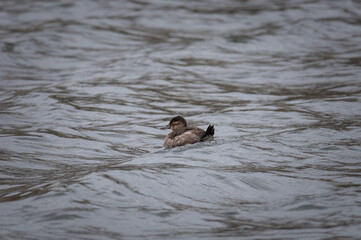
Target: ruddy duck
{"points": [[182, 134]]}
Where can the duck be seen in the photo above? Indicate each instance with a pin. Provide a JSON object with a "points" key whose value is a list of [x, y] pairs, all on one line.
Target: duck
{"points": [[182, 134]]}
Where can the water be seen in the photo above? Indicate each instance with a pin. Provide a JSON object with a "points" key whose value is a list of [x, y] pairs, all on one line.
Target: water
{"points": [[86, 86]]}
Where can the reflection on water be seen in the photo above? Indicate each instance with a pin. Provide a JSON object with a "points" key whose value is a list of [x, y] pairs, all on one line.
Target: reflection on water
{"points": [[86, 86]]}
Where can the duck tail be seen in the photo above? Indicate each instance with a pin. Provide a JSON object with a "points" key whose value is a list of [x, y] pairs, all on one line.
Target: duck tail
{"points": [[208, 135]]}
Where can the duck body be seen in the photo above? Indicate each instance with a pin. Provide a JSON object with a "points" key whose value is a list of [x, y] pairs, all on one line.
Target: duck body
{"points": [[182, 134]]}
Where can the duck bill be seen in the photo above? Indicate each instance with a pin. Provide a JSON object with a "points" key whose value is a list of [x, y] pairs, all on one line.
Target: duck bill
{"points": [[166, 127]]}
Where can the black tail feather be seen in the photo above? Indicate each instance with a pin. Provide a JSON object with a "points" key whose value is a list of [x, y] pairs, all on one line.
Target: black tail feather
{"points": [[209, 133]]}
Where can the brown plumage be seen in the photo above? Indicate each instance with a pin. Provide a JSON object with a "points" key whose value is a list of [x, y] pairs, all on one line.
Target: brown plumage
{"points": [[182, 134]]}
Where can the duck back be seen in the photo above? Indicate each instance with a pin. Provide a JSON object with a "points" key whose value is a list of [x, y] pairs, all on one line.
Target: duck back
{"points": [[183, 136]]}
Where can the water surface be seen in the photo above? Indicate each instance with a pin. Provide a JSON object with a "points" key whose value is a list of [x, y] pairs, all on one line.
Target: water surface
{"points": [[87, 85]]}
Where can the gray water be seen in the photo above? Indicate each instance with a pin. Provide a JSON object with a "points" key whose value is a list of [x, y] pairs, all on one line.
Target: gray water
{"points": [[87, 85]]}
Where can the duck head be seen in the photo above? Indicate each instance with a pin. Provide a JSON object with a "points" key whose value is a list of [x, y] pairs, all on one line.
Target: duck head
{"points": [[176, 123]]}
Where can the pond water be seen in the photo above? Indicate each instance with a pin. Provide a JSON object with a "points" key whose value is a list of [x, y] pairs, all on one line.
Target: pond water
{"points": [[85, 87]]}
